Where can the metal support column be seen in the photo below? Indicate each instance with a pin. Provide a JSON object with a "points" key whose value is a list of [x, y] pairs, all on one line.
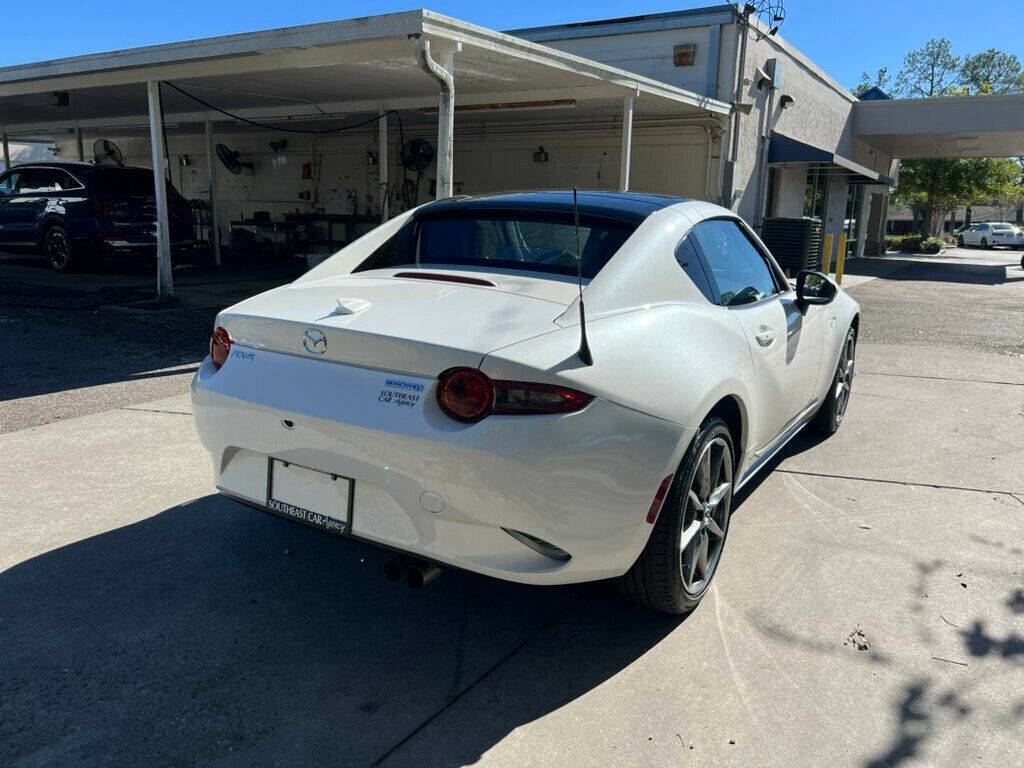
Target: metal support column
{"points": [[627, 140], [78, 141], [7, 152], [382, 163], [212, 170], [445, 112], [164, 279]]}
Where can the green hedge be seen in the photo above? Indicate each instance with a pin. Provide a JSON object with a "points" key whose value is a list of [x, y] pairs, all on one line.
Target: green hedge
{"points": [[914, 243]]}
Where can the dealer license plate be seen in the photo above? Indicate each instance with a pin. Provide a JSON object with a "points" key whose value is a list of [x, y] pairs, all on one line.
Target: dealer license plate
{"points": [[311, 496]]}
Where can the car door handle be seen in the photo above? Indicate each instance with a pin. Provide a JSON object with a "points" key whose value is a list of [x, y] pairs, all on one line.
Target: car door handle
{"points": [[765, 337]]}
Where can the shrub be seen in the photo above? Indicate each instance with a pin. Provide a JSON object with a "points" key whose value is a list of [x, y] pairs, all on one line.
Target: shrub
{"points": [[915, 243]]}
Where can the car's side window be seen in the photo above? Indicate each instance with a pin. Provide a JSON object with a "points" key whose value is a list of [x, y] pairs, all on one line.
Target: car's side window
{"points": [[64, 180], [740, 273], [689, 260], [8, 182]]}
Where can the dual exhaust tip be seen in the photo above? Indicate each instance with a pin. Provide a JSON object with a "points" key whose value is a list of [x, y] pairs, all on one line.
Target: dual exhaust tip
{"points": [[417, 573]]}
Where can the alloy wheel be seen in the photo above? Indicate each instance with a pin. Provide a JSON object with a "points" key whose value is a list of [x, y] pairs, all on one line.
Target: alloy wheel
{"points": [[58, 250], [844, 376], [706, 509]]}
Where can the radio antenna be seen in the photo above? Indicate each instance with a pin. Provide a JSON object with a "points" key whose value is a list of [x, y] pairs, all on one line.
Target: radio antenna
{"points": [[584, 351]]}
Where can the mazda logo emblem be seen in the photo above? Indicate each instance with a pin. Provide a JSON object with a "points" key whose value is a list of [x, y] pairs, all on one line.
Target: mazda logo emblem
{"points": [[314, 341]]}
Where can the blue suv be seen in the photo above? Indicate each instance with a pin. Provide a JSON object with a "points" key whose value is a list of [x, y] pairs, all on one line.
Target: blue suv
{"points": [[71, 211]]}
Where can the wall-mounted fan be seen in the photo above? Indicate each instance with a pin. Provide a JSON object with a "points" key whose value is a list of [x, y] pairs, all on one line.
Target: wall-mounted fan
{"points": [[416, 155], [106, 152], [230, 159]]}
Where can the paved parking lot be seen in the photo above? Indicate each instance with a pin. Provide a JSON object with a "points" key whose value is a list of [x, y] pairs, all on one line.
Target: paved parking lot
{"points": [[869, 610]]}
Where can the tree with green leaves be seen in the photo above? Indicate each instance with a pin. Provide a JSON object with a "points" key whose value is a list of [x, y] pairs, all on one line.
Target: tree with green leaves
{"points": [[880, 80], [930, 71], [933, 187], [992, 71]]}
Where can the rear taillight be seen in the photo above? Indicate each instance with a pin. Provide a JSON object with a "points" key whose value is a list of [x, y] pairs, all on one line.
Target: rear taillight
{"points": [[468, 395], [465, 394], [220, 346]]}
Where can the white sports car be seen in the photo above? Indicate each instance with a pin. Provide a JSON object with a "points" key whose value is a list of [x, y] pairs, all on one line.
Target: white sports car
{"points": [[451, 388]]}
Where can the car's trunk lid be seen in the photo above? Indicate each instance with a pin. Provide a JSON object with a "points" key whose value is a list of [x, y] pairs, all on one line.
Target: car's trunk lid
{"points": [[420, 324]]}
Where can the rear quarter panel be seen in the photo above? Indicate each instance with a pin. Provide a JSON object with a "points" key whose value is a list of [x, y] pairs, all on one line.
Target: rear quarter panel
{"points": [[672, 361]]}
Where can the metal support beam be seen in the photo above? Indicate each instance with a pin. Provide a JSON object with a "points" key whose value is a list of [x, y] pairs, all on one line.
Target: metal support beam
{"points": [[627, 140], [212, 170], [164, 279], [382, 164], [7, 153], [445, 113], [78, 141]]}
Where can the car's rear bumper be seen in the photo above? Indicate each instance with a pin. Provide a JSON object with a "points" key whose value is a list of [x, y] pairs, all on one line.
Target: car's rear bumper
{"points": [[583, 482]]}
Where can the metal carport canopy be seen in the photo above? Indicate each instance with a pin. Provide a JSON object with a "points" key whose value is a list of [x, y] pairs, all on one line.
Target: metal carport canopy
{"points": [[338, 68], [330, 71]]}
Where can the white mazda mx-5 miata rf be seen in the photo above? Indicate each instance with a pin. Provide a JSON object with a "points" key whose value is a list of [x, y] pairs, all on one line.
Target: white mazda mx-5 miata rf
{"points": [[451, 388]]}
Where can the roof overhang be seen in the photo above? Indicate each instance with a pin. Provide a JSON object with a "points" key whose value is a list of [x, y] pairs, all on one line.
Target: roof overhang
{"points": [[783, 151], [325, 72], [969, 126]]}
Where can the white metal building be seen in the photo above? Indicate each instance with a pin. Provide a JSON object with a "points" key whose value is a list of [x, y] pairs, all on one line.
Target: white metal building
{"points": [[705, 103]]}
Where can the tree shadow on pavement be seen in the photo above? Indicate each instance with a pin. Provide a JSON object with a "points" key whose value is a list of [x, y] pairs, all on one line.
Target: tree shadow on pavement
{"points": [[212, 634]]}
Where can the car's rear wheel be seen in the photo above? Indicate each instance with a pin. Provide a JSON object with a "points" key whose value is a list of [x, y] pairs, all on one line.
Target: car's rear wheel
{"points": [[58, 249], [833, 409], [984, 242], [675, 569]]}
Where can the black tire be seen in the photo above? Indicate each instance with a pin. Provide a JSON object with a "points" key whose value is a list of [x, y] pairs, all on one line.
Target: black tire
{"points": [[58, 248], [665, 576], [984, 242], [833, 408], [1022, 262], [960, 242]]}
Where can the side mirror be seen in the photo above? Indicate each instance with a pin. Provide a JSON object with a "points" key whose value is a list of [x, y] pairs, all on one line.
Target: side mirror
{"points": [[814, 288]]}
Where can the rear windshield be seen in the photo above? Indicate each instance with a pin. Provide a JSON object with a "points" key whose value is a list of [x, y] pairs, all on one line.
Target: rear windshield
{"points": [[525, 241], [1002, 228]]}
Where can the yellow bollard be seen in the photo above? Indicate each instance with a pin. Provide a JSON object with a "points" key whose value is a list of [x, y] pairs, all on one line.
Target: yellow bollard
{"points": [[826, 254], [841, 259]]}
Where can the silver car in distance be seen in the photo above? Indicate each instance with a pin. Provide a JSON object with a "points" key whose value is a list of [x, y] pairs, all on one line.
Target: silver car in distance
{"points": [[431, 388]]}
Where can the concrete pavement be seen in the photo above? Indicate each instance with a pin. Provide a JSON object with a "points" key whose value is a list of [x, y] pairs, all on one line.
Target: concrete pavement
{"points": [[869, 610]]}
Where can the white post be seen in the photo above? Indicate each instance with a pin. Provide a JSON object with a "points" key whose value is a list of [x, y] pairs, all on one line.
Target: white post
{"points": [[7, 153], [212, 170], [627, 140], [78, 140], [382, 163], [164, 279]]}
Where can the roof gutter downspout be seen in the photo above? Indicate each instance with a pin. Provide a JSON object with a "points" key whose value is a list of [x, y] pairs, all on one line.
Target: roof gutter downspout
{"points": [[445, 112]]}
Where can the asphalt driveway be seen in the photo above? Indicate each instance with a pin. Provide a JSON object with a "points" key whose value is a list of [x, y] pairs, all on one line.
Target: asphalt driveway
{"points": [[869, 610]]}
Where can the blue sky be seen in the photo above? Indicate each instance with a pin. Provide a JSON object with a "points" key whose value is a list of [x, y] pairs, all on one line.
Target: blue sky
{"points": [[842, 37]]}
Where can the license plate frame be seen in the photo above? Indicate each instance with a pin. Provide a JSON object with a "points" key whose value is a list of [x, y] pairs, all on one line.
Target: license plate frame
{"points": [[323, 517]]}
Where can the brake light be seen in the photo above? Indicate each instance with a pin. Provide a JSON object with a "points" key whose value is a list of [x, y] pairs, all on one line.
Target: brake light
{"points": [[465, 394], [469, 395], [220, 346]]}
